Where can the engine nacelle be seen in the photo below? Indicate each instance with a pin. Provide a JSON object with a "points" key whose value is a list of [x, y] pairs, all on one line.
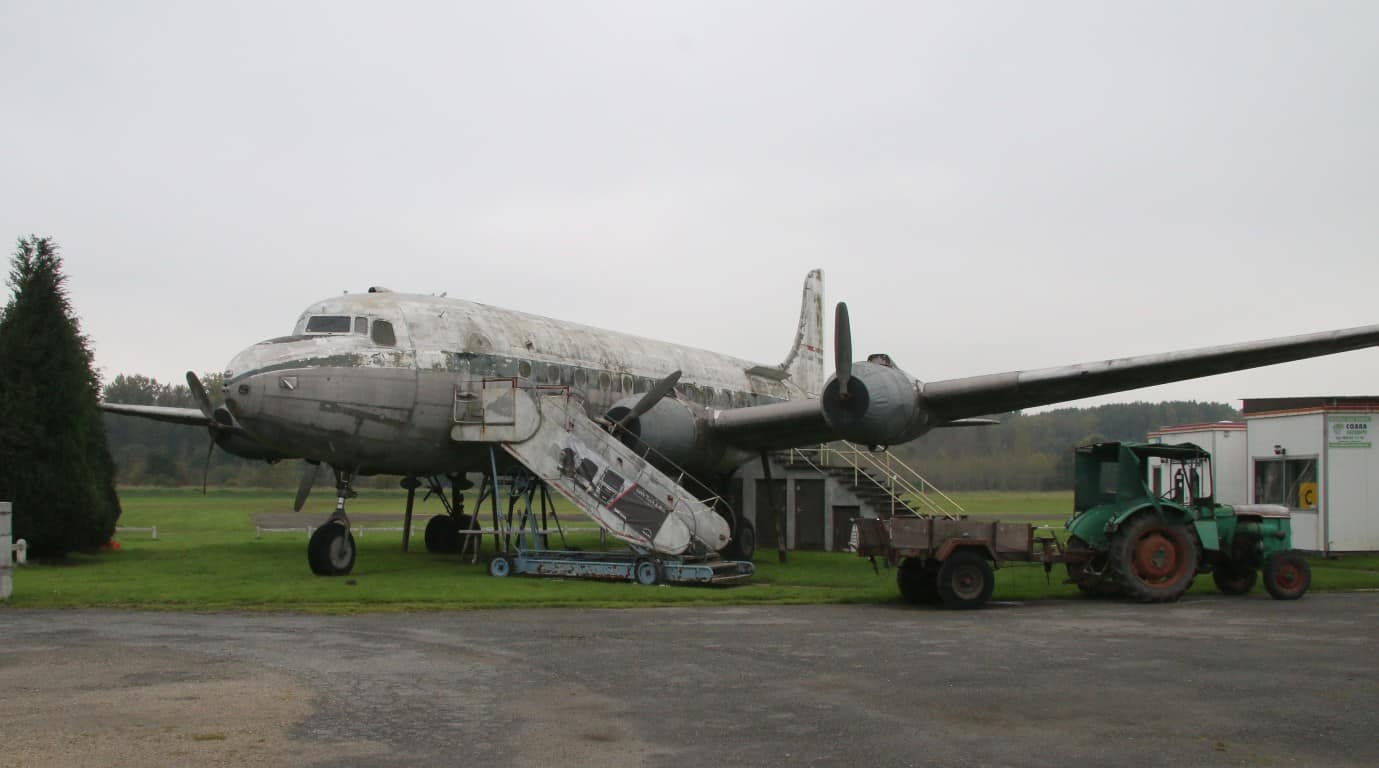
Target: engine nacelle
{"points": [[881, 408], [675, 431]]}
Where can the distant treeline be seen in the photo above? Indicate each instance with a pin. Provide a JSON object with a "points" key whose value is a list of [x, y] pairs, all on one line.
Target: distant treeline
{"points": [[1035, 452], [1025, 453]]}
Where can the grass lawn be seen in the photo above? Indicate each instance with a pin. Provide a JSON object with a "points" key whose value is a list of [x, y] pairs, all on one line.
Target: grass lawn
{"points": [[207, 557]]}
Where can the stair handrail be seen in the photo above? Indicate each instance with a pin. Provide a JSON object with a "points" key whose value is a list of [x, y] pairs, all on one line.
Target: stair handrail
{"points": [[919, 490]]}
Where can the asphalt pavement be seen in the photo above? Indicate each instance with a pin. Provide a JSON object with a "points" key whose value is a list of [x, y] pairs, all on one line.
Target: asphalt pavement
{"points": [[1209, 681]]}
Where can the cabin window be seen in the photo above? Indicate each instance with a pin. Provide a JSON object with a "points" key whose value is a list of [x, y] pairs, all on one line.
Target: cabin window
{"points": [[581, 378], [328, 324], [617, 383], [524, 369], [383, 333], [627, 384], [603, 382], [552, 374], [361, 326]]}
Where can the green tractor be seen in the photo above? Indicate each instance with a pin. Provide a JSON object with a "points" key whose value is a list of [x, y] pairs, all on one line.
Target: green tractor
{"points": [[1144, 524]]}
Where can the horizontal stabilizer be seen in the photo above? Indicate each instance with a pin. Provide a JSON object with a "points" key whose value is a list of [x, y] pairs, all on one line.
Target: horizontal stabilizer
{"points": [[768, 372], [971, 423]]}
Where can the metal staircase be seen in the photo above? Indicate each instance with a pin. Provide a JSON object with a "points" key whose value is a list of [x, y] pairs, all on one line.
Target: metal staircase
{"points": [[890, 486]]}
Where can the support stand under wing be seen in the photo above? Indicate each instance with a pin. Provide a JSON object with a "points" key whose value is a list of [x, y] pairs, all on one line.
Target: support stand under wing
{"points": [[548, 432]]}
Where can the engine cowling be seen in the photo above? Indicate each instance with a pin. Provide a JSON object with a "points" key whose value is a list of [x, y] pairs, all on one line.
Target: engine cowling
{"points": [[675, 431], [881, 407]]}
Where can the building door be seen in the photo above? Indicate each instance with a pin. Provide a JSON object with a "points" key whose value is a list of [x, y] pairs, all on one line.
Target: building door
{"points": [[842, 525], [809, 514], [765, 521]]}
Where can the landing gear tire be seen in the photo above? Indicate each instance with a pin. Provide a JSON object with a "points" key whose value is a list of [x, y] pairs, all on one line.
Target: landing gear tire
{"points": [[965, 580], [646, 572], [331, 550], [1234, 578], [745, 540], [917, 581], [1287, 575], [500, 566], [1154, 559], [443, 534]]}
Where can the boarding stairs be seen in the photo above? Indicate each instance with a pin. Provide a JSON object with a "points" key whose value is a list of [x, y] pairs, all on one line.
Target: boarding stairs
{"points": [[881, 480], [547, 431]]}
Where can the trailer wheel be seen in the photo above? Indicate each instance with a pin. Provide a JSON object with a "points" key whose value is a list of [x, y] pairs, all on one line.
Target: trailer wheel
{"points": [[646, 572], [918, 582], [1234, 578], [965, 580], [1287, 575], [500, 566], [1154, 559]]}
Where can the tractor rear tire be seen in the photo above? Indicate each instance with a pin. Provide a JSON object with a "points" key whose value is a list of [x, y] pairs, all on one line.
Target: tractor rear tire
{"points": [[1234, 578], [918, 582], [1287, 575], [965, 580], [1154, 559]]}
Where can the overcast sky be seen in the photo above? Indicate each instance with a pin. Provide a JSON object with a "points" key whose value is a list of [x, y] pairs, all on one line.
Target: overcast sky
{"points": [[990, 186]]}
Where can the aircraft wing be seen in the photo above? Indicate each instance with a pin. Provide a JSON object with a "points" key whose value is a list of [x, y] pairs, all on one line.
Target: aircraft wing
{"points": [[887, 407], [1001, 392], [191, 416]]}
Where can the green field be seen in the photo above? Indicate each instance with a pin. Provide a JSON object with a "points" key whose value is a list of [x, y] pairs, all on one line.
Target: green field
{"points": [[207, 557]]}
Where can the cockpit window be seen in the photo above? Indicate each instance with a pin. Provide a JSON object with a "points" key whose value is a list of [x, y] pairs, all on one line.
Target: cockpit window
{"points": [[361, 326], [383, 333], [328, 324]]}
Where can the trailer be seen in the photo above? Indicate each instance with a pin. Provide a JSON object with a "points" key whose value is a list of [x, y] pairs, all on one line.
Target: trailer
{"points": [[1134, 533]]}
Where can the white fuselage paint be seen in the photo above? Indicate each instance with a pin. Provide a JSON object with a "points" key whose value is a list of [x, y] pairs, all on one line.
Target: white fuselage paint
{"points": [[351, 401]]}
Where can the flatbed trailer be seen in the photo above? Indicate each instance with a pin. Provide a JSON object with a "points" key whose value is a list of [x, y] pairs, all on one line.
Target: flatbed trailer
{"points": [[952, 561]]}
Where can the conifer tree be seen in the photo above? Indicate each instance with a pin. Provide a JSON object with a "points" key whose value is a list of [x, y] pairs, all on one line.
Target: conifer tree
{"points": [[54, 463]]}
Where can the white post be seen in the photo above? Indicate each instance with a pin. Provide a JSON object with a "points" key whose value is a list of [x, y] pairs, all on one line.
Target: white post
{"points": [[6, 559]]}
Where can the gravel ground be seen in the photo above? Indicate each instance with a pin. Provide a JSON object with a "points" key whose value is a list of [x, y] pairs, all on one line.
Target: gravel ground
{"points": [[1208, 681]]}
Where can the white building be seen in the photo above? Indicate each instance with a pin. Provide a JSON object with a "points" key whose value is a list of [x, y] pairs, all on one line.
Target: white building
{"points": [[1316, 455], [1225, 441]]}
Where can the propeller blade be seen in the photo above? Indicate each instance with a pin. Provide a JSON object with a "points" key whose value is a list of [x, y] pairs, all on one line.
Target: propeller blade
{"points": [[649, 400], [203, 401], [206, 472], [310, 469], [842, 348]]}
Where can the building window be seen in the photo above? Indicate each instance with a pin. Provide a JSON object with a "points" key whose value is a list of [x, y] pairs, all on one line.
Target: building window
{"points": [[1282, 480]]}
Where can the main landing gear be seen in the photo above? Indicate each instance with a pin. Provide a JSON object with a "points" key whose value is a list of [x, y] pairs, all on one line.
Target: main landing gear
{"points": [[331, 549]]}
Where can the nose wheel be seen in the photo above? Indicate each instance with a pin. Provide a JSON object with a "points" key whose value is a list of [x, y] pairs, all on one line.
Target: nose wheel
{"points": [[330, 552]]}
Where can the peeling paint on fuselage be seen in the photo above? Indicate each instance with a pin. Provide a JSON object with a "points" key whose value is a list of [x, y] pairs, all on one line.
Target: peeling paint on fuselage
{"points": [[346, 399]]}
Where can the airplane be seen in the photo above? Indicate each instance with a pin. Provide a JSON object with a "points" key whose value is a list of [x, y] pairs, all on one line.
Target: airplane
{"points": [[423, 386]]}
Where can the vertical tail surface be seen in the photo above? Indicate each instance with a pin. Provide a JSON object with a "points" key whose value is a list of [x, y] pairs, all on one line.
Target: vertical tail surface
{"points": [[805, 363]]}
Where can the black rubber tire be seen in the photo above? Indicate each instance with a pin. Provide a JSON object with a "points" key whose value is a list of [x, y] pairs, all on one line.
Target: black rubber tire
{"points": [[330, 552], [443, 535], [500, 566], [1287, 575], [1154, 559], [965, 580], [917, 581], [746, 539], [1233, 578]]}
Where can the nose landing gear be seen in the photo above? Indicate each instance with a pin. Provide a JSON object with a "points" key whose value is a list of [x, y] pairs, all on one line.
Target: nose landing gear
{"points": [[331, 549]]}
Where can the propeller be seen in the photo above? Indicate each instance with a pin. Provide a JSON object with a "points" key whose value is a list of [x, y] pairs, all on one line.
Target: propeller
{"points": [[649, 400], [203, 401], [842, 348], [310, 470]]}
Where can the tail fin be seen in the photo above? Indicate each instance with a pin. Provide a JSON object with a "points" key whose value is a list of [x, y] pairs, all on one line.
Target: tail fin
{"points": [[805, 363]]}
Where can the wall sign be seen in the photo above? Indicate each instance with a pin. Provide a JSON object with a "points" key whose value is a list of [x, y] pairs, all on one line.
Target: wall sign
{"points": [[1347, 431]]}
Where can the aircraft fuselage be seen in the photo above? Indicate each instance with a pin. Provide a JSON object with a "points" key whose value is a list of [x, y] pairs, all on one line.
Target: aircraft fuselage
{"points": [[369, 381]]}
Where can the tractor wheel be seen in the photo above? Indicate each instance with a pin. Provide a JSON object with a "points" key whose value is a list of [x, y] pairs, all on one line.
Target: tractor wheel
{"points": [[1287, 575], [331, 550], [1154, 559], [443, 535], [965, 580], [917, 581], [1234, 578]]}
